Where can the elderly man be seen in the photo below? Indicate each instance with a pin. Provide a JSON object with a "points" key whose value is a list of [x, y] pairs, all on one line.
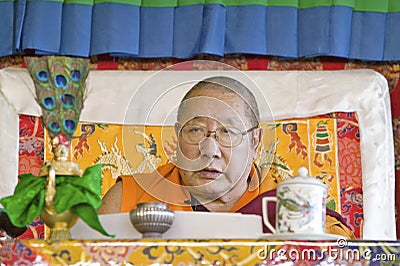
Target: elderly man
{"points": [[218, 138]]}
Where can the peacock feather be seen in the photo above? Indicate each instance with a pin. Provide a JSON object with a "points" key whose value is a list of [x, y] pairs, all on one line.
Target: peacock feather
{"points": [[60, 88]]}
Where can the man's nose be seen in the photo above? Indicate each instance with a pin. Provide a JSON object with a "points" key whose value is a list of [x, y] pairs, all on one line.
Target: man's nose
{"points": [[209, 148]]}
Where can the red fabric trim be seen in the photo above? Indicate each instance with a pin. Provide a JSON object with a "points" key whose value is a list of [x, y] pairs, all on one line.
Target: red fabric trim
{"points": [[395, 103]]}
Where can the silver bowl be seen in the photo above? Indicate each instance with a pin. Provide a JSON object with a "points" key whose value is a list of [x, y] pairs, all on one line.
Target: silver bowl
{"points": [[152, 219]]}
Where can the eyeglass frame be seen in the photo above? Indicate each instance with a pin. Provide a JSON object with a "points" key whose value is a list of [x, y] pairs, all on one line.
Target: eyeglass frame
{"points": [[209, 132]]}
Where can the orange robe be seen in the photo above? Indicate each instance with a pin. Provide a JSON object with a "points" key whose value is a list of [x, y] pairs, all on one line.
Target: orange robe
{"points": [[161, 183]]}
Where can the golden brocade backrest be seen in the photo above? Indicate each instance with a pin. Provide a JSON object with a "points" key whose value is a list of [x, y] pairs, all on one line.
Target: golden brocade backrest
{"points": [[328, 145]]}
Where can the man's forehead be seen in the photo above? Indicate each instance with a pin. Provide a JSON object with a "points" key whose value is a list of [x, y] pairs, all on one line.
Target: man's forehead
{"points": [[226, 111], [222, 121]]}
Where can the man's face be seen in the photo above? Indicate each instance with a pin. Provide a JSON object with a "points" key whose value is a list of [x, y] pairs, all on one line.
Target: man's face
{"points": [[210, 169]]}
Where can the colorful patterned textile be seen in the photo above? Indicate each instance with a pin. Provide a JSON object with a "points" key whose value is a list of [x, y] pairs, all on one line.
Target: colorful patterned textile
{"points": [[31, 154], [31, 149], [313, 143], [328, 145], [298, 142], [199, 252], [182, 29]]}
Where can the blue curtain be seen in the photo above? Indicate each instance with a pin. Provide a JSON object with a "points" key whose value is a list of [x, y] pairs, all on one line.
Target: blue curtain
{"points": [[91, 28]]}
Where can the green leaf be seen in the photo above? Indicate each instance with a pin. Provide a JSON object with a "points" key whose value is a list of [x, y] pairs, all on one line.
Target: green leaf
{"points": [[89, 215]]}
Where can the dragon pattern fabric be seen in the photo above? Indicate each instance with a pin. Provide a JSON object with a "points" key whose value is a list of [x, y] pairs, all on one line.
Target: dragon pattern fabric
{"points": [[316, 143], [104, 143]]}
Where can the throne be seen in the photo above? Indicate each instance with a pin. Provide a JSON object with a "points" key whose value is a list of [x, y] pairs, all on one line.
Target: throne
{"points": [[124, 111]]}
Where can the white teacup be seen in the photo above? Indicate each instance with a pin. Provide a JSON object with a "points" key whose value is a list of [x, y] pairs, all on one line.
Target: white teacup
{"points": [[300, 206]]}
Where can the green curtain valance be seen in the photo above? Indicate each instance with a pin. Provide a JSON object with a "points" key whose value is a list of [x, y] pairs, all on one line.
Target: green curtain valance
{"points": [[358, 5]]}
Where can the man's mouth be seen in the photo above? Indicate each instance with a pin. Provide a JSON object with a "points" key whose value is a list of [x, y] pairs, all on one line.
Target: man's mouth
{"points": [[210, 173]]}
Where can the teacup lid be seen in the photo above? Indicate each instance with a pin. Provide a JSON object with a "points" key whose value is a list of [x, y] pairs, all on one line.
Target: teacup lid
{"points": [[303, 178]]}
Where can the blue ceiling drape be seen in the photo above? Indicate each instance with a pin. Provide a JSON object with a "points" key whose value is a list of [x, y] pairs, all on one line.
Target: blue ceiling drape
{"points": [[86, 28]]}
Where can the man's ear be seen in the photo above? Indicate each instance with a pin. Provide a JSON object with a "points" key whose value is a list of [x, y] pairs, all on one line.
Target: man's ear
{"points": [[177, 127], [258, 134]]}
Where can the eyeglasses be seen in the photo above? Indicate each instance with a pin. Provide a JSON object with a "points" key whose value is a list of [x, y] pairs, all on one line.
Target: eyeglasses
{"points": [[226, 136]]}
